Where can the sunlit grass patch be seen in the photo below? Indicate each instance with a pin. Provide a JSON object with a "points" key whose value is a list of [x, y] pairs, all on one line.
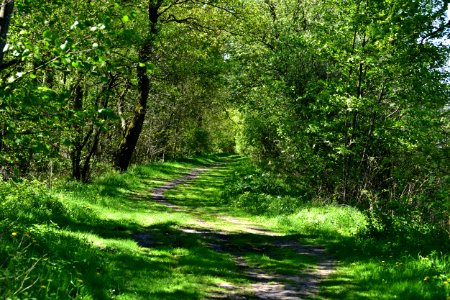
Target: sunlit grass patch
{"points": [[287, 263], [78, 241], [321, 220], [407, 277]]}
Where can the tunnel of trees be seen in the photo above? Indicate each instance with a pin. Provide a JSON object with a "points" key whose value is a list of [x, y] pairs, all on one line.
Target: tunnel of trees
{"points": [[347, 99]]}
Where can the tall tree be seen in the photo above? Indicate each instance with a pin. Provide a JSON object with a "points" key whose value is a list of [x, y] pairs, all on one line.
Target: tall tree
{"points": [[348, 96], [133, 129], [159, 14]]}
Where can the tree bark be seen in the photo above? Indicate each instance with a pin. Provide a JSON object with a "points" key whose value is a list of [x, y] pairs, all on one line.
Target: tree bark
{"points": [[5, 19], [128, 143], [78, 139]]}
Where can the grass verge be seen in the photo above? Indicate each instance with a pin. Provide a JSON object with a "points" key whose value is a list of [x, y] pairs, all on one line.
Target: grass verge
{"points": [[105, 240], [405, 266], [108, 240]]}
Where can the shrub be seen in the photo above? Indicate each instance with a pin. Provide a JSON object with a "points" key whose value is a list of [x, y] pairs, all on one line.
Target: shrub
{"points": [[261, 191], [28, 202]]}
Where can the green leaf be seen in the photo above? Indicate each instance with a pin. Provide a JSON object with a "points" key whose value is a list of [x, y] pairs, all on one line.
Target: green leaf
{"points": [[48, 35], [125, 19]]}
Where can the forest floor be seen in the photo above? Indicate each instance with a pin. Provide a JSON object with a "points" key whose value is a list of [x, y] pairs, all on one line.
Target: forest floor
{"points": [[167, 231], [242, 238]]}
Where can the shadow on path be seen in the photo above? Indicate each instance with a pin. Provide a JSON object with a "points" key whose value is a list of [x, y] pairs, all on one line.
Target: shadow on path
{"points": [[278, 267]]}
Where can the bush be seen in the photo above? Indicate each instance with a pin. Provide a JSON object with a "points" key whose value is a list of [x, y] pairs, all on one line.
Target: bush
{"points": [[28, 202], [259, 191], [39, 260]]}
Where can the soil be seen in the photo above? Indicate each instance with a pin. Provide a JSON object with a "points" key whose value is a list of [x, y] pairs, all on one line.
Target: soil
{"points": [[265, 285]]}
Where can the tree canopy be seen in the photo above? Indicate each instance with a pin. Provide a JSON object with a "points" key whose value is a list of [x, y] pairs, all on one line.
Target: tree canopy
{"points": [[349, 99]]}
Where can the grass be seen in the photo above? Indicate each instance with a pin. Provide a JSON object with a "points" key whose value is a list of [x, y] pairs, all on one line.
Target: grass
{"points": [[81, 241], [109, 240], [405, 277], [387, 267]]}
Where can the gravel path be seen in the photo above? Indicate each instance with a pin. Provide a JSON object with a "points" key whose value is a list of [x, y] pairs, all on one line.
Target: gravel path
{"points": [[265, 285]]}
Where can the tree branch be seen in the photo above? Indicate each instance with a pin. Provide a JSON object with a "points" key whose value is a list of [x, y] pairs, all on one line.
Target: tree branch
{"points": [[172, 5], [435, 33], [8, 64]]}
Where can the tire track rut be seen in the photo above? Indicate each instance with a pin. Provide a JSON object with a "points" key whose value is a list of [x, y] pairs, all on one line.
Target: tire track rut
{"points": [[265, 285]]}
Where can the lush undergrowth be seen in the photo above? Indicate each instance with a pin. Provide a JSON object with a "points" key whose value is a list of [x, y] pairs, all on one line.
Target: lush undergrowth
{"points": [[406, 264], [106, 240], [79, 241]]}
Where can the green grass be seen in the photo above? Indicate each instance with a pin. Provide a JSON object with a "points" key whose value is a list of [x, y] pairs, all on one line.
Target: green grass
{"points": [[405, 277], [80, 241], [410, 266]]}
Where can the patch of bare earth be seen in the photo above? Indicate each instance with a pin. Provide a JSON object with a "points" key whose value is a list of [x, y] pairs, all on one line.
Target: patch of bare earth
{"points": [[265, 285]]}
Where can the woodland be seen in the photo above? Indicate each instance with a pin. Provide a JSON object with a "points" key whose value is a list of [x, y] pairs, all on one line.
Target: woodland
{"points": [[327, 121]]}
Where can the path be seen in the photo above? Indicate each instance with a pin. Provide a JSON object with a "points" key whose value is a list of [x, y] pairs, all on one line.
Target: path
{"points": [[265, 285]]}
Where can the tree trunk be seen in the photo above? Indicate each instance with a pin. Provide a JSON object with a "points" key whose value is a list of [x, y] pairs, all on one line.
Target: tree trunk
{"points": [[133, 130], [78, 139], [87, 161], [5, 19]]}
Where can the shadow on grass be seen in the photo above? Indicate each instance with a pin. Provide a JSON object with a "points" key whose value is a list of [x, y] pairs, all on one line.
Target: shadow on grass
{"points": [[123, 270], [216, 256], [384, 268], [165, 261]]}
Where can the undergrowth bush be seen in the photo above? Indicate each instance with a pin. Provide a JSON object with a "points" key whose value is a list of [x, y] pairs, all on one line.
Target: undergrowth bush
{"points": [[409, 223], [406, 221], [28, 202], [37, 260], [261, 191]]}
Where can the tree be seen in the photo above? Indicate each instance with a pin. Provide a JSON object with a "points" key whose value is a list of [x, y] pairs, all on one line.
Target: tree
{"points": [[6, 12], [160, 14], [134, 128], [348, 98]]}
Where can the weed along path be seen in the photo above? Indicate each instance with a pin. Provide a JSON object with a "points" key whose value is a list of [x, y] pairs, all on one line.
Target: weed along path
{"points": [[271, 265]]}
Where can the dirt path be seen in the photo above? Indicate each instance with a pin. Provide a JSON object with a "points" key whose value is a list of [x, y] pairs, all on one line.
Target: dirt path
{"points": [[265, 285]]}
